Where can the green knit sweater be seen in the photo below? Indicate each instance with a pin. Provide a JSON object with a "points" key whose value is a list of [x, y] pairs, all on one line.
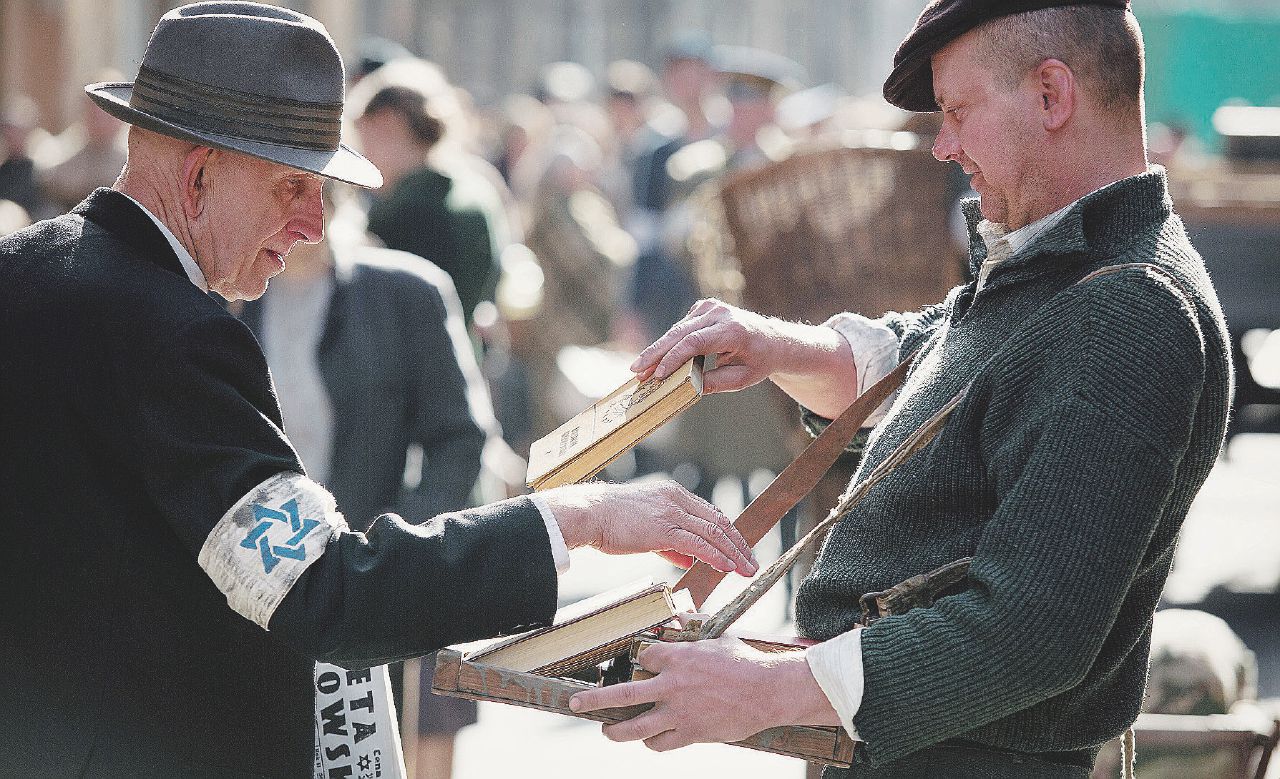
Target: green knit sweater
{"points": [[1092, 415]]}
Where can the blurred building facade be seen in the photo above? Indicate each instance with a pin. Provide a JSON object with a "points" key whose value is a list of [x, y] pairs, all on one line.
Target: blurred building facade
{"points": [[51, 48]]}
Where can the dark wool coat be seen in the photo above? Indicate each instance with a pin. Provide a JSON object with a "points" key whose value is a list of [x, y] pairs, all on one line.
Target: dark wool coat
{"points": [[135, 413], [450, 220]]}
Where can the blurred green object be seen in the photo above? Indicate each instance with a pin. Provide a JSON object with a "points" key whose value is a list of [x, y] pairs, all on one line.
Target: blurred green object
{"points": [[1198, 59]]}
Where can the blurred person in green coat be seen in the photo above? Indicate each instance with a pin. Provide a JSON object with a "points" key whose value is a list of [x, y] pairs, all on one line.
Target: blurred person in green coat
{"points": [[437, 202]]}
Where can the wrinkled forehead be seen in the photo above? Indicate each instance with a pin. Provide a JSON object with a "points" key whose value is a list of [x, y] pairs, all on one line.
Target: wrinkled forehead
{"points": [[957, 70]]}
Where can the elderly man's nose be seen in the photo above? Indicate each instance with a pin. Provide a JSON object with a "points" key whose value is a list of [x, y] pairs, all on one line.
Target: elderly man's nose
{"points": [[308, 220]]}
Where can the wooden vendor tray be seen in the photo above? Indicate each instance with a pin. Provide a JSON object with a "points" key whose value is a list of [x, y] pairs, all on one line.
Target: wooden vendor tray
{"points": [[459, 678]]}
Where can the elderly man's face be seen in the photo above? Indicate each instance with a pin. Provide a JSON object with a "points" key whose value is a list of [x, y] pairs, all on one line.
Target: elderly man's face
{"points": [[992, 132], [254, 212]]}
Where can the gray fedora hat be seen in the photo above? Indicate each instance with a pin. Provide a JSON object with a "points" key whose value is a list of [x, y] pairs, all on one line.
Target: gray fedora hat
{"points": [[251, 78]]}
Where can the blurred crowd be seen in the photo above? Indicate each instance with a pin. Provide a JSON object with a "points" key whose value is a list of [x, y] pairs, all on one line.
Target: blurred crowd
{"points": [[564, 217], [474, 302], [44, 175], [560, 216]]}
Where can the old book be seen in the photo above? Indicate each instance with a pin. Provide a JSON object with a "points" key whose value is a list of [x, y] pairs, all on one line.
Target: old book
{"points": [[581, 447], [588, 632]]}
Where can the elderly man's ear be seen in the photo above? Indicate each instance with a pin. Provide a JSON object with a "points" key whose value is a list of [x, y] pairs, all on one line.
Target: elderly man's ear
{"points": [[194, 166]]}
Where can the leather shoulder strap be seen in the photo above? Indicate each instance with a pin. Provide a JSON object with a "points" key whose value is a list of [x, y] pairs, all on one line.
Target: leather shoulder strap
{"points": [[1149, 268], [798, 479]]}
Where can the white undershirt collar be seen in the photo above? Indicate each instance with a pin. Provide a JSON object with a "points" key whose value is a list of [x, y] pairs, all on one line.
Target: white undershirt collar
{"points": [[188, 262], [1002, 244]]}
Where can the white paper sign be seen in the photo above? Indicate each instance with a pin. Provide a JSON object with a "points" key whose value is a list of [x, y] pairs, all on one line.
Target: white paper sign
{"points": [[357, 736]]}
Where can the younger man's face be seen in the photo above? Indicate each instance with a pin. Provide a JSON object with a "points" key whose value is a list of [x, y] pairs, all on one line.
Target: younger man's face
{"points": [[991, 131]]}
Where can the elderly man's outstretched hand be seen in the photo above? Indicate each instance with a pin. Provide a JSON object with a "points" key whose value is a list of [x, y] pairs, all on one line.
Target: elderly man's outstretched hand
{"points": [[657, 517]]}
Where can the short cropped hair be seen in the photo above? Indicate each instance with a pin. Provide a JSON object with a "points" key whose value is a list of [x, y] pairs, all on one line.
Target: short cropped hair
{"points": [[1102, 46]]}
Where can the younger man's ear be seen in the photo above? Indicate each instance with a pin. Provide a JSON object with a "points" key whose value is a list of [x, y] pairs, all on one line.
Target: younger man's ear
{"points": [[1057, 93]]}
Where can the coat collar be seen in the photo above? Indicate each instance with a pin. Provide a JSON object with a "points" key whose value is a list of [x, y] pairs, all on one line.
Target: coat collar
{"points": [[120, 216], [1102, 223]]}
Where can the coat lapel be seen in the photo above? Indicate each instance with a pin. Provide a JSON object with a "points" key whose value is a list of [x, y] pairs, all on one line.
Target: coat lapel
{"points": [[253, 311]]}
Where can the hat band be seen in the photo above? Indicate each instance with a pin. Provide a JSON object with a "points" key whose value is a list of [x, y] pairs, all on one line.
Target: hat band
{"points": [[200, 107]]}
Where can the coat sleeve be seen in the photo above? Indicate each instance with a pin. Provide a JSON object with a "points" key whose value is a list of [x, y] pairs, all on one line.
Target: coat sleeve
{"points": [[403, 590], [199, 417]]}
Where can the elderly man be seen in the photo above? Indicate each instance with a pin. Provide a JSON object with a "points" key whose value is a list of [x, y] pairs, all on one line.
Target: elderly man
{"points": [[1090, 362], [170, 573]]}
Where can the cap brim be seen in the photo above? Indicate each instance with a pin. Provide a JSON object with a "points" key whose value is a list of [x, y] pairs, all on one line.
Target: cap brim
{"points": [[343, 164], [910, 85]]}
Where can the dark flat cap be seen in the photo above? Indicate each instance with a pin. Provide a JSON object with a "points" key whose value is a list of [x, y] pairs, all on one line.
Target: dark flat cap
{"points": [[910, 85]]}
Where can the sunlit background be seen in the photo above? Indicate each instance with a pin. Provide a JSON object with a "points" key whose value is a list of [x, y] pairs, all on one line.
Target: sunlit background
{"points": [[1213, 100]]}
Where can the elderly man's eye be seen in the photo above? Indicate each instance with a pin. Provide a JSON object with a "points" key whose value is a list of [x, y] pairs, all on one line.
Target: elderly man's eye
{"points": [[295, 186]]}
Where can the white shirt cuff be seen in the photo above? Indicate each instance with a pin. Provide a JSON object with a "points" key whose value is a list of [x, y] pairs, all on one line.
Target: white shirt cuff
{"points": [[875, 353], [559, 552], [837, 666]]}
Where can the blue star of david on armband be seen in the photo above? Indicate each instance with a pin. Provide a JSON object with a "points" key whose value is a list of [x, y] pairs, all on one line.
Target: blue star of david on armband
{"points": [[265, 535], [257, 551]]}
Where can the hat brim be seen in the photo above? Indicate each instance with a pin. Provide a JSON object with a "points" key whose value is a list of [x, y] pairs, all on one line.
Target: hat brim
{"points": [[910, 85], [343, 163]]}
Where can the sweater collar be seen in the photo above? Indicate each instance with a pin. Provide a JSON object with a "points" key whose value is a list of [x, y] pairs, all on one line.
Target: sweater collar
{"points": [[1102, 223]]}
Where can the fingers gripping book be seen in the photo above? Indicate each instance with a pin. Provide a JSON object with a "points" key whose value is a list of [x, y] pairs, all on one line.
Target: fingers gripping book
{"points": [[583, 446]]}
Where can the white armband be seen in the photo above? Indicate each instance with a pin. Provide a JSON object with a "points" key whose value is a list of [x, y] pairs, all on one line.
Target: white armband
{"points": [[266, 540]]}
